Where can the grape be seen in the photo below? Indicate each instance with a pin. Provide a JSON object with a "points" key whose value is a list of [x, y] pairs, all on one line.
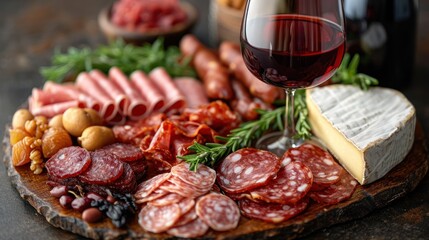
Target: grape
{"points": [[94, 196], [59, 191], [65, 201], [81, 203]]}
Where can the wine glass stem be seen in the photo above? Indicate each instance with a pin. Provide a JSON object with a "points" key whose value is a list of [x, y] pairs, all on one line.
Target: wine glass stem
{"points": [[289, 130]]}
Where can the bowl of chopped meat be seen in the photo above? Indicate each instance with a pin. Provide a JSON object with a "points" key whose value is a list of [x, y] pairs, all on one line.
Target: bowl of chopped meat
{"points": [[143, 21]]}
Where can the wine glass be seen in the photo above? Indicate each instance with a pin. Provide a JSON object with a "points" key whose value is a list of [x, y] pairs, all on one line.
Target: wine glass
{"points": [[292, 44]]}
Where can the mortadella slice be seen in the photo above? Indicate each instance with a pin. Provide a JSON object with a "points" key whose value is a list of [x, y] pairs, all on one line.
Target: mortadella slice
{"points": [[53, 109], [41, 98], [120, 99], [138, 107], [89, 86], [193, 91], [174, 99], [147, 88]]}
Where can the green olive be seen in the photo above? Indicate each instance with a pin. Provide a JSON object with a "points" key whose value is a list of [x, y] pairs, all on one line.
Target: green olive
{"points": [[20, 117], [96, 137], [56, 121]]}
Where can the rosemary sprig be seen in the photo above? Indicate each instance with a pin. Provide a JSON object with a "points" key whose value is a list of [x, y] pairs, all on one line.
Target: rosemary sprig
{"points": [[127, 57], [240, 137]]}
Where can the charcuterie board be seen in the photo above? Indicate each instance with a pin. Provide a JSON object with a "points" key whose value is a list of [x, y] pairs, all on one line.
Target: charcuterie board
{"points": [[397, 183]]}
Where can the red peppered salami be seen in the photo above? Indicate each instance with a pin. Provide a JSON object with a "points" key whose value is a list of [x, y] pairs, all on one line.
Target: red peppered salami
{"points": [[68, 162], [192, 229], [218, 211], [323, 166], [127, 182], [158, 219], [246, 169], [204, 177], [124, 152], [271, 212], [104, 169], [337, 192], [291, 184]]}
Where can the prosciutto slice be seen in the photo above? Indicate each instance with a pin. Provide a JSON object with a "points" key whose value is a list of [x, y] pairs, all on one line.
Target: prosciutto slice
{"points": [[148, 90], [193, 90], [138, 107], [174, 100], [121, 100], [89, 86]]}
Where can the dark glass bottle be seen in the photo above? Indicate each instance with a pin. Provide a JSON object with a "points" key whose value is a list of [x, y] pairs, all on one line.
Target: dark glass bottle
{"points": [[383, 32]]}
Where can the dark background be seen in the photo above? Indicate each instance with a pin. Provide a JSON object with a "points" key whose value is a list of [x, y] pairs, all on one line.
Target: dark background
{"points": [[31, 30]]}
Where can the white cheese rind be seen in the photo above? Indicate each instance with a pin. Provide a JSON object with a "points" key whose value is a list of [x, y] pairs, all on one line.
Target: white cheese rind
{"points": [[369, 132]]}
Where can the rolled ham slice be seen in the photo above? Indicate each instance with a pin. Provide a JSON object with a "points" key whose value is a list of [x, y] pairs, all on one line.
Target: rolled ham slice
{"points": [[174, 99], [89, 86], [138, 107], [121, 100], [149, 90], [41, 98], [193, 90], [53, 109], [72, 92]]}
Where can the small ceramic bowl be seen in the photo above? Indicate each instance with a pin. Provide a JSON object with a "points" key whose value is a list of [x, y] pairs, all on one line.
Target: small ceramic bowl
{"points": [[171, 36]]}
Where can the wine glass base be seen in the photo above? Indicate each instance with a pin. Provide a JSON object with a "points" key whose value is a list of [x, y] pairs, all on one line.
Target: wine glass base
{"points": [[278, 144]]}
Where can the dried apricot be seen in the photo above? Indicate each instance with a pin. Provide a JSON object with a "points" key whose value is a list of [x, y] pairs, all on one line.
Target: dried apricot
{"points": [[20, 153], [17, 134], [53, 140]]}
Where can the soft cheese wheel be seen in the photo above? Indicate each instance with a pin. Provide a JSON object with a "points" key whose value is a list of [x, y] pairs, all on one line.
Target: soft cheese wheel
{"points": [[369, 132]]}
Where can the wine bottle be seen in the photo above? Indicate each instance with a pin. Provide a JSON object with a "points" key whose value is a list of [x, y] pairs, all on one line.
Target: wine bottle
{"points": [[383, 33]]}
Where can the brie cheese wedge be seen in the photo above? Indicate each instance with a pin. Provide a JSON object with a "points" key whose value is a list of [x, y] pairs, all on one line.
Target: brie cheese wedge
{"points": [[368, 132]]}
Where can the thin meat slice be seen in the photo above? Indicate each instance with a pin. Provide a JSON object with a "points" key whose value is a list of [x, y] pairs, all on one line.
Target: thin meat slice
{"points": [[246, 169], [148, 90], [41, 97], [174, 99], [271, 212], [323, 166], [105, 169], [138, 106], [290, 185], [68, 162], [147, 187], [113, 91], [158, 219], [127, 182], [194, 228], [193, 91], [167, 199], [89, 86], [337, 192], [203, 178], [125, 152], [177, 185], [73, 92], [157, 193], [218, 211], [53, 109]]}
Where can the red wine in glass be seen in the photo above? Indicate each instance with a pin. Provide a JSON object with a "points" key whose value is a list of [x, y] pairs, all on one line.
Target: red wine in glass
{"points": [[292, 44]]}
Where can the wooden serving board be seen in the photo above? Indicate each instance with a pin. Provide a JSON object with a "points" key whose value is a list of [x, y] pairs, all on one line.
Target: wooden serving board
{"points": [[397, 183]]}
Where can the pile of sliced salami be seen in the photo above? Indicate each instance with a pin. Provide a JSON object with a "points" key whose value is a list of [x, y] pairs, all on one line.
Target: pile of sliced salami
{"points": [[185, 204], [116, 168], [274, 190]]}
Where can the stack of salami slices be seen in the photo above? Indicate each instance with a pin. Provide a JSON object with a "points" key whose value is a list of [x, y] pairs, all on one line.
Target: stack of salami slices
{"points": [[185, 203], [114, 168], [274, 190]]}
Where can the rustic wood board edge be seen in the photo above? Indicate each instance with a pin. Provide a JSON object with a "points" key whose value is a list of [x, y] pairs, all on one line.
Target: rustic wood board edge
{"points": [[365, 200]]}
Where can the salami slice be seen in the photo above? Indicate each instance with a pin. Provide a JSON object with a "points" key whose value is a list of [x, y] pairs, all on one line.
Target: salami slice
{"points": [[218, 211], [125, 152], [127, 182], [188, 216], [323, 166], [337, 192], [271, 212], [68, 162], [203, 178], [192, 229], [167, 199], [105, 169], [176, 185], [158, 219], [157, 193], [147, 187], [247, 169], [290, 185]]}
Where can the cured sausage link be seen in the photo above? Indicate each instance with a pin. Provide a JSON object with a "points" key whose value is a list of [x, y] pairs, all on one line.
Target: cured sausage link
{"points": [[243, 104], [193, 91]]}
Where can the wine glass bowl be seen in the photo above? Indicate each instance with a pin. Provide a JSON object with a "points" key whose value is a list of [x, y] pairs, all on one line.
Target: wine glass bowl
{"points": [[292, 44]]}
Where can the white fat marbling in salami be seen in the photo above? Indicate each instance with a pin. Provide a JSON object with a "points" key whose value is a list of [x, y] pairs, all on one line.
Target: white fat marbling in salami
{"points": [[218, 211], [158, 219], [105, 169], [167, 199], [68, 162], [246, 169], [145, 188], [203, 178], [291, 184], [192, 229]]}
